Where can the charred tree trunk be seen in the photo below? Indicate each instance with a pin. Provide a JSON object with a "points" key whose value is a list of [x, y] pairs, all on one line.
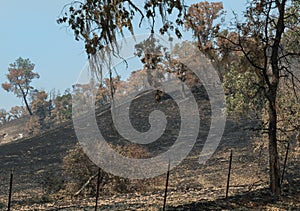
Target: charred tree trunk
{"points": [[27, 106], [25, 100], [272, 93], [273, 152]]}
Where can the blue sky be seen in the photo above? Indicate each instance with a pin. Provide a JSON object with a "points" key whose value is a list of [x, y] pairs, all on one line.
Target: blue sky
{"points": [[29, 30]]}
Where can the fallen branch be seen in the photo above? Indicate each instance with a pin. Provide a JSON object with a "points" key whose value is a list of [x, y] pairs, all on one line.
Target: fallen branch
{"points": [[85, 184]]}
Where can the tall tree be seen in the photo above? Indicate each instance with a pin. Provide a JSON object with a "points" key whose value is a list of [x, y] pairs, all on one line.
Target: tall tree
{"points": [[260, 40], [257, 43], [19, 78]]}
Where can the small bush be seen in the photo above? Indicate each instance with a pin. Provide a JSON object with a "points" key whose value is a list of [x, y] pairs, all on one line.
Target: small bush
{"points": [[78, 169], [80, 172]]}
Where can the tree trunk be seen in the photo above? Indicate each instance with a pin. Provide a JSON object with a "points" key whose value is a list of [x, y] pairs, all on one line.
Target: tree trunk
{"points": [[273, 152], [25, 100], [273, 85], [26, 103], [27, 106]]}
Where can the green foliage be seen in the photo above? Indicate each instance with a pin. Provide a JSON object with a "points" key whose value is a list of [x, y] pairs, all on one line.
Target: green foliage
{"points": [[243, 94], [62, 108], [291, 37], [288, 111]]}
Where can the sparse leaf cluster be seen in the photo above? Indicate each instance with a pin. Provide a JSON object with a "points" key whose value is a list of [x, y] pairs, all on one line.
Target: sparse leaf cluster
{"points": [[100, 22]]}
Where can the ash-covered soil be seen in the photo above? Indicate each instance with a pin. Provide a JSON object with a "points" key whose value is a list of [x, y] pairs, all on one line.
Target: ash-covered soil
{"points": [[192, 186]]}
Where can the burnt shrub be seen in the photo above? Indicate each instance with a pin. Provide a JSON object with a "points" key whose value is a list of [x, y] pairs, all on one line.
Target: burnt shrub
{"points": [[80, 174]]}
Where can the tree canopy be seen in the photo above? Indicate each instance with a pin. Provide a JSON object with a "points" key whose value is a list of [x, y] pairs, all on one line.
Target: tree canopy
{"points": [[99, 22], [19, 78]]}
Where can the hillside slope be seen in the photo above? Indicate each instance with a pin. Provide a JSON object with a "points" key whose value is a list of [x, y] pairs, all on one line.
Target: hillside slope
{"points": [[192, 186]]}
